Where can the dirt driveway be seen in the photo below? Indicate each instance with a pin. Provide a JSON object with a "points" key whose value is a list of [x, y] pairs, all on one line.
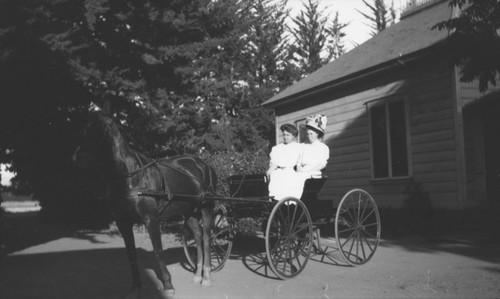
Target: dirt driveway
{"points": [[45, 261]]}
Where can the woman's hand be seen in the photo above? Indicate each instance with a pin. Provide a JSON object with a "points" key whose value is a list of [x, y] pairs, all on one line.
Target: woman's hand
{"points": [[271, 168]]}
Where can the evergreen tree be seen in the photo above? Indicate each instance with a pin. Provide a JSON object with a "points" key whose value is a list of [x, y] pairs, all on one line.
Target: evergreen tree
{"points": [[315, 42], [380, 16], [264, 64], [173, 71], [336, 47]]}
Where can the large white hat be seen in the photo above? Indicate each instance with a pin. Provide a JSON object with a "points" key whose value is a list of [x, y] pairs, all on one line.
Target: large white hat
{"points": [[316, 122]]}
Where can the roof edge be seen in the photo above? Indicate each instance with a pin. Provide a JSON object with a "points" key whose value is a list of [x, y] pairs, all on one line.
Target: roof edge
{"points": [[352, 78], [417, 6]]}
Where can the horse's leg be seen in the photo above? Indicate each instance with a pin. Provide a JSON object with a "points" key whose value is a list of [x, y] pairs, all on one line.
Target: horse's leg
{"points": [[207, 215], [127, 233], [192, 223], [153, 227]]}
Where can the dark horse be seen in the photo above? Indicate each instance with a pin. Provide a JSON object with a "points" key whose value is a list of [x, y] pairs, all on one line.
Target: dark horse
{"points": [[183, 182]]}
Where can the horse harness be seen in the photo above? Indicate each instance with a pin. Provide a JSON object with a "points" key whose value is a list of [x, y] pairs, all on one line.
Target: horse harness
{"points": [[165, 191]]}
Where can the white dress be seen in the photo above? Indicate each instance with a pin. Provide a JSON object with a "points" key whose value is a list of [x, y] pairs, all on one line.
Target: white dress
{"points": [[284, 181], [316, 155]]}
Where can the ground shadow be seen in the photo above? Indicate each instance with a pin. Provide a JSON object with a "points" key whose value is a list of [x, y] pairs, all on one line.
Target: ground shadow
{"points": [[251, 250], [472, 233], [23, 230], [101, 273]]}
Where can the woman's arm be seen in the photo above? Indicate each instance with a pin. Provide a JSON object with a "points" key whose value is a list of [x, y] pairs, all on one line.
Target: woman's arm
{"points": [[317, 159], [312, 167], [272, 167]]}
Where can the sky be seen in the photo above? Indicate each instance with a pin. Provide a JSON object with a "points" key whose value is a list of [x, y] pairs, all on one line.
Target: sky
{"points": [[6, 176], [358, 30]]}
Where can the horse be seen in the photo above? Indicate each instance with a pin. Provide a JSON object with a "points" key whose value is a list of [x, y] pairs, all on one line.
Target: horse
{"points": [[183, 181]]}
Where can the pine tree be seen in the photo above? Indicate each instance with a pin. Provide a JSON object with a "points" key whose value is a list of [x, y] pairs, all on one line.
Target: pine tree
{"points": [[315, 41], [380, 16], [336, 47], [310, 37]]}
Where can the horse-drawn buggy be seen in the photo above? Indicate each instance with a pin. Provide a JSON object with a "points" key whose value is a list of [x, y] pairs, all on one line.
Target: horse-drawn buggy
{"points": [[295, 228], [140, 189]]}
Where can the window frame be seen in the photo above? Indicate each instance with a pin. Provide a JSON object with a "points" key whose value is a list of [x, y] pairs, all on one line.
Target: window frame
{"points": [[385, 102], [298, 123]]}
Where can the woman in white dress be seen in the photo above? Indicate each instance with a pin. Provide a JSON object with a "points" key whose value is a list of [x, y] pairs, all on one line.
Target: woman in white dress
{"points": [[283, 179], [315, 154]]}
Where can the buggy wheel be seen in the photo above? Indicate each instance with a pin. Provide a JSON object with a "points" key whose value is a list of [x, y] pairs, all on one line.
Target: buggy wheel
{"points": [[357, 227], [221, 241], [288, 238]]}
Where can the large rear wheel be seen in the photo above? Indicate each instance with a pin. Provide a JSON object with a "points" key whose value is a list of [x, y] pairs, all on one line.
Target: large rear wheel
{"points": [[221, 241], [288, 238], [357, 227]]}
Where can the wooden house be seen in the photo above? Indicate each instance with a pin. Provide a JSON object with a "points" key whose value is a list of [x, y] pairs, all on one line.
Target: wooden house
{"points": [[398, 116]]}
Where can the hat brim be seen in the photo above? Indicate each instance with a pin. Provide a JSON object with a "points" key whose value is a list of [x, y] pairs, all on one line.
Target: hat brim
{"points": [[316, 129]]}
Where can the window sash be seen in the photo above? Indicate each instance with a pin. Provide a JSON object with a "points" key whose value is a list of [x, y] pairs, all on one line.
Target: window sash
{"points": [[389, 140]]}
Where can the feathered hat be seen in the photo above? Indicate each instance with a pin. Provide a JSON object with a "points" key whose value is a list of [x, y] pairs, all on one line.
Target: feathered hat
{"points": [[316, 122]]}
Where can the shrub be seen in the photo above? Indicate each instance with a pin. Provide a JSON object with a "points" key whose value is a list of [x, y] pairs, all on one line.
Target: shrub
{"points": [[227, 164]]}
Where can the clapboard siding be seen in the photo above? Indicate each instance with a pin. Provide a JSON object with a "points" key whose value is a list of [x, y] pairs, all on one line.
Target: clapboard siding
{"points": [[429, 95], [433, 140], [475, 160], [350, 158], [432, 167], [431, 147], [434, 156], [438, 135]]}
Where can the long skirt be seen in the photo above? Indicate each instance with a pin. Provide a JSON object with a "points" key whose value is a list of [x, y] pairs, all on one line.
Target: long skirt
{"points": [[285, 183]]}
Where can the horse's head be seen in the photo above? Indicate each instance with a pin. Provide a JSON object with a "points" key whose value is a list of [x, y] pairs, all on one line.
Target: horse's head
{"points": [[94, 141]]}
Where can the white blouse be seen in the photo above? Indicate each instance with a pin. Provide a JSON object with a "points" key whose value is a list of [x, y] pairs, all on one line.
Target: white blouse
{"points": [[286, 155], [314, 154]]}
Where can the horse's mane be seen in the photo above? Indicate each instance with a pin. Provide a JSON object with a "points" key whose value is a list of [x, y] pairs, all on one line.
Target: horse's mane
{"points": [[112, 134]]}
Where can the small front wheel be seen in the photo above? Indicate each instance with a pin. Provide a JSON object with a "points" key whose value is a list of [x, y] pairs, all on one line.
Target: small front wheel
{"points": [[357, 227], [221, 241], [288, 237]]}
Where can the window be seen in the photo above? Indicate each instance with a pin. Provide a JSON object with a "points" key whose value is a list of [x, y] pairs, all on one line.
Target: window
{"points": [[389, 143], [302, 138]]}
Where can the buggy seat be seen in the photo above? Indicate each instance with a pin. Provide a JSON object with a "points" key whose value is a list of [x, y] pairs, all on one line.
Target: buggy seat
{"points": [[256, 185]]}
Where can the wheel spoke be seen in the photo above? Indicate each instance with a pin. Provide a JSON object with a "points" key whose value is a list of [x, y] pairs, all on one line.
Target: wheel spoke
{"points": [[349, 238], [368, 244], [302, 215], [288, 247], [367, 216], [357, 227], [360, 243], [347, 229]]}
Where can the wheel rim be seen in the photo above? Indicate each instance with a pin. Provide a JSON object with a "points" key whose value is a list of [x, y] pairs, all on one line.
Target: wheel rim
{"points": [[288, 238], [221, 242], [357, 227]]}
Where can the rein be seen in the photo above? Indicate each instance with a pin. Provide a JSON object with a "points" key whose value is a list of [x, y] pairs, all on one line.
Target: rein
{"points": [[131, 174]]}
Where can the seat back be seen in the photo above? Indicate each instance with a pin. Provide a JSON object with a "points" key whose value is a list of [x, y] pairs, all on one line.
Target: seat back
{"points": [[250, 185], [312, 187]]}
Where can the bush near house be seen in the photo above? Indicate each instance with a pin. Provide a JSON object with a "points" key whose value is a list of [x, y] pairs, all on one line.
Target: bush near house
{"points": [[227, 164]]}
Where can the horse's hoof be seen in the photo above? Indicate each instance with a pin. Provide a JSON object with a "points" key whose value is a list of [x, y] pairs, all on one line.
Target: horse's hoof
{"points": [[206, 283], [170, 293], [197, 279]]}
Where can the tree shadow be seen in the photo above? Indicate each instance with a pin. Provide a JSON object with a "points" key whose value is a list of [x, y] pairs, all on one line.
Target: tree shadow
{"points": [[23, 230], [96, 273]]}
